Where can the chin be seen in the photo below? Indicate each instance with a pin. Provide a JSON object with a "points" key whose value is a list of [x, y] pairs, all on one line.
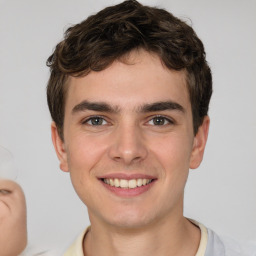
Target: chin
{"points": [[130, 219]]}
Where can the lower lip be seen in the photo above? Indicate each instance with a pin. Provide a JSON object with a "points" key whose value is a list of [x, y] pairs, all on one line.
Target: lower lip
{"points": [[128, 192]]}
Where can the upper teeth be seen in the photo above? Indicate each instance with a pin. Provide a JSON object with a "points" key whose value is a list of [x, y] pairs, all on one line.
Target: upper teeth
{"points": [[127, 183]]}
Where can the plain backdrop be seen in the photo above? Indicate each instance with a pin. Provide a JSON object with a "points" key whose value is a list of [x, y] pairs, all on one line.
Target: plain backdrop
{"points": [[221, 193]]}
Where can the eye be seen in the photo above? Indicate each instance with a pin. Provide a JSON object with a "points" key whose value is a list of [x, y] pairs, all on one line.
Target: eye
{"points": [[160, 121], [95, 121]]}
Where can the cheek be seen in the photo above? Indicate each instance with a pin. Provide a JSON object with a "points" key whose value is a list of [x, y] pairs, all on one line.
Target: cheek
{"points": [[174, 156], [173, 151], [83, 153]]}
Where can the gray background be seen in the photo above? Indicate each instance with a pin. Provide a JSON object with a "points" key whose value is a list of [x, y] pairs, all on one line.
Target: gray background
{"points": [[221, 193]]}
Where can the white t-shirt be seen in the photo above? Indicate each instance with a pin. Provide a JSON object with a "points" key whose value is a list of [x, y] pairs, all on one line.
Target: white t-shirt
{"points": [[220, 246]]}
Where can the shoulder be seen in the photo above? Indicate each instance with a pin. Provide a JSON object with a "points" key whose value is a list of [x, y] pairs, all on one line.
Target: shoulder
{"points": [[225, 246]]}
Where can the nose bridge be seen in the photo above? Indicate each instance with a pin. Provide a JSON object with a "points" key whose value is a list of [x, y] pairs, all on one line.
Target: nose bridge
{"points": [[128, 144]]}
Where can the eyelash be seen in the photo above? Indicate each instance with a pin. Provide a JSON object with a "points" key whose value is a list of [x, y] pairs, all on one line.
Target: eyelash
{"points": [[86, 121], [165, 119], [168, 120]]}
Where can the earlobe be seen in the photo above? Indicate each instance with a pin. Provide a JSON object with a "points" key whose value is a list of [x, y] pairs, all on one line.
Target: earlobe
{"points": [[199, 144], [59, 148]]}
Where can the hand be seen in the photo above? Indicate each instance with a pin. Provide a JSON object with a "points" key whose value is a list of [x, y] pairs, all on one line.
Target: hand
{"points": [[13, 226]]}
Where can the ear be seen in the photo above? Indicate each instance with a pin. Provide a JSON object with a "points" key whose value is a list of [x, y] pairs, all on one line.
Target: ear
{"points": [[199, 144], [59, 148]]}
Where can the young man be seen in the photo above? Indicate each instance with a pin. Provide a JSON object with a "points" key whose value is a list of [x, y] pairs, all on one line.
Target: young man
{"points": [[128, 93]]}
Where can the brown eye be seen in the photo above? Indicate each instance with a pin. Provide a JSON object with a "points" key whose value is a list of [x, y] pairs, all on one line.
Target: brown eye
{"points": [[159, 120]]}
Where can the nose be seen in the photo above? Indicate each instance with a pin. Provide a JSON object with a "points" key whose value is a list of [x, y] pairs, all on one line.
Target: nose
{"points": [[128, 145]]}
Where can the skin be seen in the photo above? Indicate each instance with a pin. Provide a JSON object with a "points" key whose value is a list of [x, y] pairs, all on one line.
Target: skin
{"points": [[13, 235], [127, 141]]}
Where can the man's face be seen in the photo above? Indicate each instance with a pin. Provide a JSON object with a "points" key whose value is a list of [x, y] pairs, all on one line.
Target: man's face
{"points": [[130, 125]]}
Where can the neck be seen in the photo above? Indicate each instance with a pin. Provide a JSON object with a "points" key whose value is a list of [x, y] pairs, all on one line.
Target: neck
{"points": [[174, 237]]}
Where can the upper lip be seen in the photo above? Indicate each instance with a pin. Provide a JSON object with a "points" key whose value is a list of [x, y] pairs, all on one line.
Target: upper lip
{"points": [[126, 176]]}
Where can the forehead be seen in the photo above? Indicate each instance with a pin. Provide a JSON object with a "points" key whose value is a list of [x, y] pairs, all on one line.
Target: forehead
{"points": [[138, 78]]}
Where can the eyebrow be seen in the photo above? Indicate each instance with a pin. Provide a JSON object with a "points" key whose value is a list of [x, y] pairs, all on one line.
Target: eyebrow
{"points": [[105, 107], [95, 106], [162, 106]]}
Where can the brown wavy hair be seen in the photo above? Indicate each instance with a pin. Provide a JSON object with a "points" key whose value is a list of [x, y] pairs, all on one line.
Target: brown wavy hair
{"points": [[110, 34]]}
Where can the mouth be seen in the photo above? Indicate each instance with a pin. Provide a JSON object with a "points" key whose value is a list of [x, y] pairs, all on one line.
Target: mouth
{"points": [[127, 184]]}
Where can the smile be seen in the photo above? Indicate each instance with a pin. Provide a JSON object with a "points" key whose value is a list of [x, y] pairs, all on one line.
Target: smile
{"points": [[127, 184]]}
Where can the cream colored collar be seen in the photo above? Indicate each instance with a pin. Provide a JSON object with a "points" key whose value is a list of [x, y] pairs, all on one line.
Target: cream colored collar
{"points": [[77, 248]]}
